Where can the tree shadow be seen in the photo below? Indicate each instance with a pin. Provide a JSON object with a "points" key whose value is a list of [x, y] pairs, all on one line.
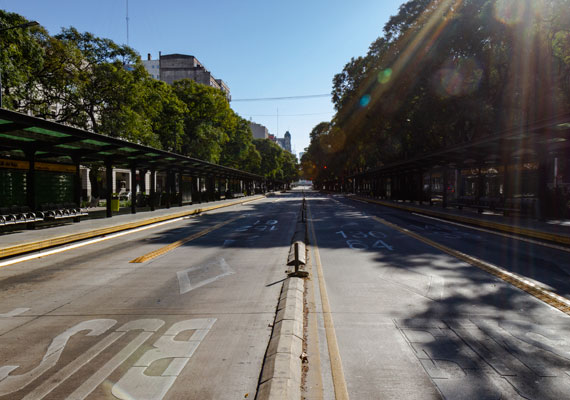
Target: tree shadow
{"points": [[476, 336]]}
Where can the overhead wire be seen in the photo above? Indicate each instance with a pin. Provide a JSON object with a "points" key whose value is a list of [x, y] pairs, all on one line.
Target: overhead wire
{"points": [[309, 96], [287, 115]]}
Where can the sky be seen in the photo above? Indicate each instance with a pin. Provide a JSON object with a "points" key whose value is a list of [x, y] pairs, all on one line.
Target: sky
{"points": [[260, 48]]}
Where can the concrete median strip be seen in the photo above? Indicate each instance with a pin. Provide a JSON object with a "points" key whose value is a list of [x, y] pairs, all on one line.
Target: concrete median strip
{"points": [[281, 373]]}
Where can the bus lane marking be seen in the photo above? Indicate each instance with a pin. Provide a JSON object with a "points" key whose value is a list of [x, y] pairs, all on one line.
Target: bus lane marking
{"points": [[12, 383], [357, 242], [135, 384], [151, 325], [186, 285]]}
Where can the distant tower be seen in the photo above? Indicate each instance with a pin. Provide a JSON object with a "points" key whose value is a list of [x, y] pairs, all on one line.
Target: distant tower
{"points": [[287, 141], [127, 22]]}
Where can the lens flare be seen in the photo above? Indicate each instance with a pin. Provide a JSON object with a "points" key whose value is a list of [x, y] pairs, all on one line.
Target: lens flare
{"points": [[365, 100], [510, 12], [384, 75], [458, 78]]}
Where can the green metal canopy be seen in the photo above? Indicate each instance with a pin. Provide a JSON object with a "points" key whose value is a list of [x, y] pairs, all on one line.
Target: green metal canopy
{"points": [[51, 142], [551, 136]]}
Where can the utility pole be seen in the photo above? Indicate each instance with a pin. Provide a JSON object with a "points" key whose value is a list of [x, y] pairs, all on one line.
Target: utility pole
{"points": [[127, 22], [25, 25]]}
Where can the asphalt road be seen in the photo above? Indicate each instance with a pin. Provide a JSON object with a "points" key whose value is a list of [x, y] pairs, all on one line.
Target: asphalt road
{"points": [[412, 322], [389, 316], [191, 323]]}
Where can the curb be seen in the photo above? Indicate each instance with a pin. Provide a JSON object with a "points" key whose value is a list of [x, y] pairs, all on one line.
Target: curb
{"points": [[473, 221], [281, 373], [61, 240]]}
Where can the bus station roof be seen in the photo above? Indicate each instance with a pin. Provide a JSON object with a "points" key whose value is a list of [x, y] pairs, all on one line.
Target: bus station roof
{"points": [[521, 144], [21, 134]]}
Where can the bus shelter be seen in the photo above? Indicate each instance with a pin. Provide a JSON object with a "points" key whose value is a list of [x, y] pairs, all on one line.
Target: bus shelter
{"points": [[41, 163], [523, 170]]}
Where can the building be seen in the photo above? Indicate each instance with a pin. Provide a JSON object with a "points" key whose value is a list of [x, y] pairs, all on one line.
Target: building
{"points": [[259, 131], [173, 67], [285, 142], [152, 67]]}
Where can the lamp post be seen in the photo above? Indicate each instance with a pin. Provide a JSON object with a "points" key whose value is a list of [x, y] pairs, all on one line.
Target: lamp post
{"points": [[22, 26]]}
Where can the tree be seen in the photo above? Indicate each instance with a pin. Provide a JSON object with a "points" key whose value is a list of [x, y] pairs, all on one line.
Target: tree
{"points": [[239, 151], [206, 122], [21, 56], [290, 167], [444, 73], [271, 158]]}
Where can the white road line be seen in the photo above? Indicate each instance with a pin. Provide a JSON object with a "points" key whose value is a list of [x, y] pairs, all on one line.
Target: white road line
{"points": [[96, 379], [14, 312], [12, 383], [137, 384], [63, 374], [184, 280], [85, 243]]}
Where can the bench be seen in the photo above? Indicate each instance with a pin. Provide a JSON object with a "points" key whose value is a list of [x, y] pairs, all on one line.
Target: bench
{"points": [[18, 215], [52, 212], [522, 205], [483, 203]]}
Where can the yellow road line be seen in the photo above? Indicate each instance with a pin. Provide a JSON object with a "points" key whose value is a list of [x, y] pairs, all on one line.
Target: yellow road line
{"points": [[314, 375], [339, 382], [172, 246], [546, 296], [488, 224], [507, 235], [61, 240]]}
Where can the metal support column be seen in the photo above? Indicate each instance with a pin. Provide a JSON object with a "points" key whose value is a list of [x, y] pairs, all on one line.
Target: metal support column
{"points": [[168, 187], [31, 179], [133, 189], [506, 187], [152, 196], [109, 188], [480, 185], [195, 194], [77, 182], [544, 206], [444, 179], [180, 188]]}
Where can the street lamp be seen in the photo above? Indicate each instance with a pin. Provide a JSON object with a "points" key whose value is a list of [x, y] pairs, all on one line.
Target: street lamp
{"points": [[7, 28]]}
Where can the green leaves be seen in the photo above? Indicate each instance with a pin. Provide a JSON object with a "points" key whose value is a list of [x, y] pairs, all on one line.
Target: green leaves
{"points": [[96, 84], [445, 72], [276, 163]]}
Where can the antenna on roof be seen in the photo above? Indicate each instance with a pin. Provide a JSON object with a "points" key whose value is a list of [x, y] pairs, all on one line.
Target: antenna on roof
{"points": [[127, 22]]}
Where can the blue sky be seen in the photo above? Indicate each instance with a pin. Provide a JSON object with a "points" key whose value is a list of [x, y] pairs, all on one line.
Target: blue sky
{"points": [[259, 48]]}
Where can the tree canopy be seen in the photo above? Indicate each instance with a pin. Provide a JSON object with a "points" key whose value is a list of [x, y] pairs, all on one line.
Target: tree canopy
{"points": [[96, 84], [445, 72]]}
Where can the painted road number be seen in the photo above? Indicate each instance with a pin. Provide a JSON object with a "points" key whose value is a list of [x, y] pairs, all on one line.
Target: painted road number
{"points": [[356, 242], [135, 384]]}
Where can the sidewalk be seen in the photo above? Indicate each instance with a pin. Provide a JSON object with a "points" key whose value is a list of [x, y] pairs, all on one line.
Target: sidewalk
{"points": [[555, 231], [23, 241]]}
